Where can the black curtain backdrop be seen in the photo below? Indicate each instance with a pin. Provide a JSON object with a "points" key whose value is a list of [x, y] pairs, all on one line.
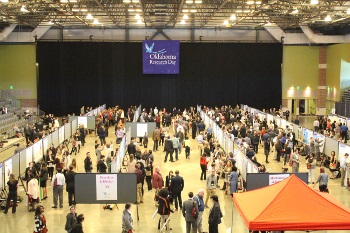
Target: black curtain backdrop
{"points": [[73, 74]]}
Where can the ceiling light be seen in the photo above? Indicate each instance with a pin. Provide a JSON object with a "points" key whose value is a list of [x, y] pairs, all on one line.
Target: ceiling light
{"points": [[185, 16], [62, 1], [126, 1], [131, 10], [89, 16], [226, 22], [233, 17], [295, 11], [258, 2], [135, 1], [73, 1], [193, 11], [328, 18], [189, 1], [348, 11], [51, 23], [250, 2], [137, 16], [239, 11], [246, 11], [138, 10], [198, 1], [81, 10], [139, 21], [23, 9], [4, 0], [185, 10], [96, 21], [314, 2], [182, 22]]}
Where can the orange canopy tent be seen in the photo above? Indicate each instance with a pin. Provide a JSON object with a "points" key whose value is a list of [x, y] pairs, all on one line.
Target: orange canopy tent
{"points": [[291, 205]]}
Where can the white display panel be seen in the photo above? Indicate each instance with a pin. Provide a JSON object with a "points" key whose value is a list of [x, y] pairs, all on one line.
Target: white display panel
{"points": [[38, 151], [343, 148], [82, 121], [61, 134], [55, 139], [141, 129], [307, 134], [269, 118], [8, 169], [321, 139], [278, 121], [1, 180], [67, 131], [106, 187], [74, 126], [283, 123], [46, 143]]}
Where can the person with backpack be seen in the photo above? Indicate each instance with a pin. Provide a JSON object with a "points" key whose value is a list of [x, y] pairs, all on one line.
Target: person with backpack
{"points": [[78, 226], [164, 209], [199, 198], [71, 219], [190, 213], [215, 215]]}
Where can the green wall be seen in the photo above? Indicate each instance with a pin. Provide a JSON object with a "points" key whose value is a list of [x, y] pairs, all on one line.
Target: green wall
{"points": [[300, 68], [18, 69]]}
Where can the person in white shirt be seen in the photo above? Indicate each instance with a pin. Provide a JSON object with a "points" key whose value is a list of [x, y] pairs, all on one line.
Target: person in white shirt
{"points": [[316, 125], [155, 111], [58, 182], [343, 169]]}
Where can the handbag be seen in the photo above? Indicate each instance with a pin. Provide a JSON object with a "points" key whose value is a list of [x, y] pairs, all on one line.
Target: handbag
{"points": [[308, 165], [55, 182], [290, 163]]}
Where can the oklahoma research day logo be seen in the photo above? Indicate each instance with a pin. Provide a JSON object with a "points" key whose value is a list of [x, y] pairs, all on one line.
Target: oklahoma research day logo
{"points": [[159, 57]]}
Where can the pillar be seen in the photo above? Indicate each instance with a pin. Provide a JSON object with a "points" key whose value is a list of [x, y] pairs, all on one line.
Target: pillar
{"points": [[322, 82]]}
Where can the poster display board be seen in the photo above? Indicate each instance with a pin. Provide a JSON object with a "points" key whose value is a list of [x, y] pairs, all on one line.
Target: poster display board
{"points": [[8, 169], [1, 178], [61, 134], [269, 118], [307, 135], [38, 151], [331, 145], [55, 139], [106, 187], [82, 121], [67, 131], [15, 164], [141, 129], [275, 178], [46, 143], [74, 126], [260, 180], [283, 123], [343, 148], [137, 129]]}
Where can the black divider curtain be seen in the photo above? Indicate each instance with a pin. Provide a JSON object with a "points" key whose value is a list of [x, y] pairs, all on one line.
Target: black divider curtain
{"points": [[73, 74]]}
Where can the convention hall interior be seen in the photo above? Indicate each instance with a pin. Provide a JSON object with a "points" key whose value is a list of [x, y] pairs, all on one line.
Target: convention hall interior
{"points": [[279, 66]]}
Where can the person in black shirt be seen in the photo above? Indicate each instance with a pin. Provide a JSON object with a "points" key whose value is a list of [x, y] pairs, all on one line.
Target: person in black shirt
{"points": [[102, 167], [70, 185], [44, 175], [12, 195]]}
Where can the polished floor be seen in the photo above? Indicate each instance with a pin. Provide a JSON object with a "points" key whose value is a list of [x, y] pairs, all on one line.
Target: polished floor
{"points": [[99, 220]]}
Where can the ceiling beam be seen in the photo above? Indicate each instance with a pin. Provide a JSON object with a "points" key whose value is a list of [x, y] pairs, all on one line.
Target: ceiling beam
{"points": [[177, 14], [106, 11], [143, 12], [215, 11]]}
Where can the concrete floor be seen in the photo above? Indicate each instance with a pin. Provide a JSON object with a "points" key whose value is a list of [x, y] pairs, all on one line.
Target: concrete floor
{"points": [[99, 220]]}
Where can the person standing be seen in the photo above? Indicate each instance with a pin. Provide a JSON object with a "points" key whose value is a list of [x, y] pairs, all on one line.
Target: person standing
{"points": [[78, 226], [57, 183], [203, 163], [344, 132], [70, 185], [156, 138], [169, 149], [87, 163], [44, 175], [267, 149], [181, 137], [39, 220], [127, 221], [233, 180], [101, 166], [316, 125], [33, 191], [176, 146], [176, 186], [71, 219], [164, 208], [139, 179], [343, 169], [145, 140], [157, 181], [211, 184], [295, 161], [189, 215], [323, 181], [215, 215], [311, 166], [12, 194], [187, 145], [27, 133], [199, 199]]}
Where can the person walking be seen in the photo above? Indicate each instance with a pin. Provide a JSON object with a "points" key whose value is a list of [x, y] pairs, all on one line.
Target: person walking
{"points": [[169, 149], [323, 181], [199, 199], [176, 146], [39, 220], [233, 180], [70, 185], [157, 182], [71, 219], [190, 214], [127, 221], [78, 226], [295, 161], [343, 169], [176, 186], [58, 182], [267, 149], [187, 145], [156, 138], [87, 163], [12, 194], [211, 184], [215, 215], [139, 179], [203, 163], [164, 208], [311, 166]]}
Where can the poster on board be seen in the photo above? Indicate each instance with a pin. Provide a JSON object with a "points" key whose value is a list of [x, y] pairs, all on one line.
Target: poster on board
{"points": [[82, 121], [307, 135], [1, 184], [8, 169], [321, 138], [61, 134], [141, 130], [273, 179], [106, 187], [37, 151], [343, 148]]}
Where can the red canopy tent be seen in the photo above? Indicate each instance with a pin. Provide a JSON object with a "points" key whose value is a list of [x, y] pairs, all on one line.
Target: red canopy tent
{"points": [[291, 205]]}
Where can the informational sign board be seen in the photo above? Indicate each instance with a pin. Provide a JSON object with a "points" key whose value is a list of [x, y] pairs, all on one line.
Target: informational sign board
{"points": [[321, 138], [8, 169], [141, 129], [38, 151], [307, 135], [106, 187], [260, 180], [61, 134], [273, 179], [343, 148]]}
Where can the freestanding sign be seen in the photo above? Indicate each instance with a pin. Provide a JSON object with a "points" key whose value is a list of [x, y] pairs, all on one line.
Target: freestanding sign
{"points": [[161, 56], [106, 187]]}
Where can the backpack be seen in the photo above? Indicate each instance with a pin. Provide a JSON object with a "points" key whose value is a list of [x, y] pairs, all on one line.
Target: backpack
{"points": [[194, 211], [74, 228]]}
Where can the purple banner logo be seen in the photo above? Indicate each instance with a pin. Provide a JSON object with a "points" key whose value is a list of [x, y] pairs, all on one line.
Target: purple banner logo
{"points": [[161, 56]]}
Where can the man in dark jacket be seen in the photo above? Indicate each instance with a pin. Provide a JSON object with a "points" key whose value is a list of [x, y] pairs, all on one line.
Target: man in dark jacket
{"points": [[70, 185], [176, 187], [87, 163], [139, 179], [215, 215], [169, 149], [102, 167], [164, 208], [132, 147]]}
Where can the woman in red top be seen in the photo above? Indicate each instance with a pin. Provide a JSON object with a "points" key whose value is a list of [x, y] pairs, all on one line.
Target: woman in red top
{"points": [[203, 164]]}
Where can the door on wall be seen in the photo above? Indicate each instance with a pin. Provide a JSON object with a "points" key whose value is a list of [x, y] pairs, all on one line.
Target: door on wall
{"points": [[293, 107], [301, 106]]}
